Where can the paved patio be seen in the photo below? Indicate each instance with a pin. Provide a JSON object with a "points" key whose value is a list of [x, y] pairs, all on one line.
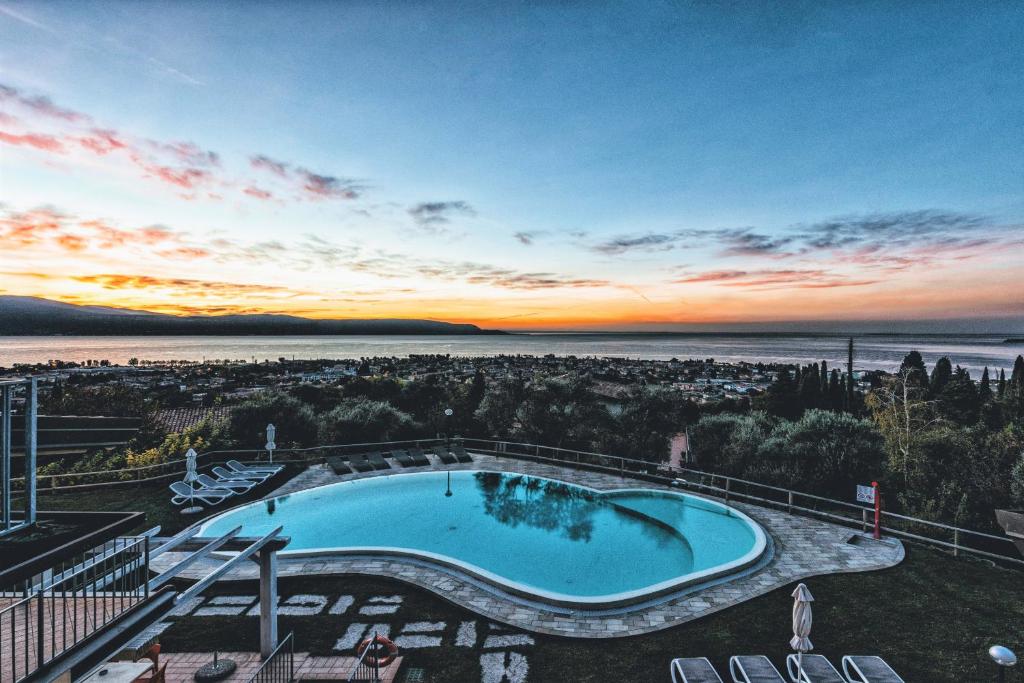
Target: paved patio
{"points": [[182, 666], [803, 547]]}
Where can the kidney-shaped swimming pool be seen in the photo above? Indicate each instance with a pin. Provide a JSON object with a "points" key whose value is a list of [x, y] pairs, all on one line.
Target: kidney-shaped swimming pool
{"points": [[536, 537]]}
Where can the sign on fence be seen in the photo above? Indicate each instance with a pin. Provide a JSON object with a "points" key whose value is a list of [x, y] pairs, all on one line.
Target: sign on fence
{"points": [[866, 494]]}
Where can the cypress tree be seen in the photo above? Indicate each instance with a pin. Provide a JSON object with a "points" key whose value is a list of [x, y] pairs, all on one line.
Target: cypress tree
{"points": [[1001, 387], [810, 388], [914, 369], [941, 375], [985, 388], [849, 377], [835, 392]]}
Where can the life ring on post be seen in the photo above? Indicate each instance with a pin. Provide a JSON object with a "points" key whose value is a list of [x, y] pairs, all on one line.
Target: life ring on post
{"points": [[373, 660]]}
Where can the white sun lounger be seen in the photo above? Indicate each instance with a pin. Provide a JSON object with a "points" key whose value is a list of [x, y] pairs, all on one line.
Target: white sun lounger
{"points": [[693, 670], [814, 669], [256, 477], [254, 469], [236, 485], [865, 669], [183, 493], [754, 669]]}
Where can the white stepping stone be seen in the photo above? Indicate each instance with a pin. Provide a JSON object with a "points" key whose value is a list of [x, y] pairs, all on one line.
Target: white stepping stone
{"points": [[466, 635], [396, 599], [357, 632], [303, 605], [184, 608], [503, 667], [424, 627], [342, 604], [378, 609], [415, 642], [507, 640], [225, 605]]}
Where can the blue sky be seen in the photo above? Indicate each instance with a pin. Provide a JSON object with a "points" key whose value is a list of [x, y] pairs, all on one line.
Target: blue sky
{"points": [[626, 145]]}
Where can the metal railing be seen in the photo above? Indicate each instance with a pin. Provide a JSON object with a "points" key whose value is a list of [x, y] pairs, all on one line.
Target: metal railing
{"points": [[367, 668], [957, 539], [52, 612], [279, 667]]}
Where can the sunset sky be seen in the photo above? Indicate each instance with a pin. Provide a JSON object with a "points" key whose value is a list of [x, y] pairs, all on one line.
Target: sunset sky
{"points": [[551, 166]]}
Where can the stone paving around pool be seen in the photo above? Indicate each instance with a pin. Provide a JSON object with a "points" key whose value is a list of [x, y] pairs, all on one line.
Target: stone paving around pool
{"points": [[803, 547]]}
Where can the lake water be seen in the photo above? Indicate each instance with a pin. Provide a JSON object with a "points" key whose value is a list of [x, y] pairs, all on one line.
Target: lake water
{"points": [[872, 351]]}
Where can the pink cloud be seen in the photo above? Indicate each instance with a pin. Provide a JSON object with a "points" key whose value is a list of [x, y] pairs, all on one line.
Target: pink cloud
{"points": [[257, 192], [45, 143]]}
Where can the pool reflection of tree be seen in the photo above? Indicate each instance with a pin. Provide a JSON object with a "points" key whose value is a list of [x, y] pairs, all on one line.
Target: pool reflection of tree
{"points": [[556, 507]]}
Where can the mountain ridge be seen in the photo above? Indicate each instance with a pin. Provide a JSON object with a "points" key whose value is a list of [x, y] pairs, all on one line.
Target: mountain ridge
{"points": [[31, 316]]}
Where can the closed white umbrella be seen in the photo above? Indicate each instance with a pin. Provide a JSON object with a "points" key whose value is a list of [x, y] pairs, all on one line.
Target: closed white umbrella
{"points": [[190, 478], [801, 641]]}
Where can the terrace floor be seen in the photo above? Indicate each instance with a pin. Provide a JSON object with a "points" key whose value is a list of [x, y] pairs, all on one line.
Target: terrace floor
{"points": [[803, 548]]}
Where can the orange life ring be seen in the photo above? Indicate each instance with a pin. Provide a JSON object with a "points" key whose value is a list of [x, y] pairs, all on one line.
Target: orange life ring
{"points": [[373, 660]]}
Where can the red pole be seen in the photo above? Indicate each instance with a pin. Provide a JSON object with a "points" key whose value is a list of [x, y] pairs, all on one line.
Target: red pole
{"points": [[878, 511]]}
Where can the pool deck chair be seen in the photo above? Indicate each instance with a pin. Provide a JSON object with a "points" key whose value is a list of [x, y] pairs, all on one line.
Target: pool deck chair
{"points": [[359, 462], [237, 476], [419, 458], [378, 461], [693, 670], [338, 465], [865, 669], [269, 470], [236, 485], [183, 493], [754, 669], [461, 455], [402, 457], [815, 669], [442, 453]]}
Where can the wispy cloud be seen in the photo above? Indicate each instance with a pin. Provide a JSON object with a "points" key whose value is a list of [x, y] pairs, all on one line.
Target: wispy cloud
{"points": [[190, 169], [434, 215], [773, 279]]}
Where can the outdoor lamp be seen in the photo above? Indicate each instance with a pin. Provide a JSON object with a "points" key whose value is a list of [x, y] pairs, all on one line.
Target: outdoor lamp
{"points": [[1004, 657]]}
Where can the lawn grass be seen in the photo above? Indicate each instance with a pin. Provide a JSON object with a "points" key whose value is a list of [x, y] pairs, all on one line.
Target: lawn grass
{"points": [[933, 618]]}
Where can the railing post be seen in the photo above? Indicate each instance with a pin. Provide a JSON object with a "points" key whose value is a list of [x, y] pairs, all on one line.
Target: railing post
{"points": [[40, 640], [728, 483], [790, 502], [864, 519], [956, 542]]}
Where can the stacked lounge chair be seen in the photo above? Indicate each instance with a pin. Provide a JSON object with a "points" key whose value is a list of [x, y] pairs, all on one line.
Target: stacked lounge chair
{"points": [[402, 457], [234, 485], [261, 472], [359, 462], [338, 464], [419, 458], [443, 455], [377, 460], [460, 454]]}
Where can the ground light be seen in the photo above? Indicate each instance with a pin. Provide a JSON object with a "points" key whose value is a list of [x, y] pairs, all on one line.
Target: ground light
{"points": [[1004, 658]]}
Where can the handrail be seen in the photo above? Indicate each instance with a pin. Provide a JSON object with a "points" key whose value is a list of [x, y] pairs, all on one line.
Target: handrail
{"points": [[266, 673], [361, 668]]}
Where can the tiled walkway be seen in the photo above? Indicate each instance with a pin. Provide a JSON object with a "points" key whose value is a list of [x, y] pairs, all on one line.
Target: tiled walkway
{"points": [[803, 547], [182, 666]]}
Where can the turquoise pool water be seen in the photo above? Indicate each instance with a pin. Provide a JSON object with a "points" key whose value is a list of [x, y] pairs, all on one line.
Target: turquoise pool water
{"points": [[535, 536]]}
